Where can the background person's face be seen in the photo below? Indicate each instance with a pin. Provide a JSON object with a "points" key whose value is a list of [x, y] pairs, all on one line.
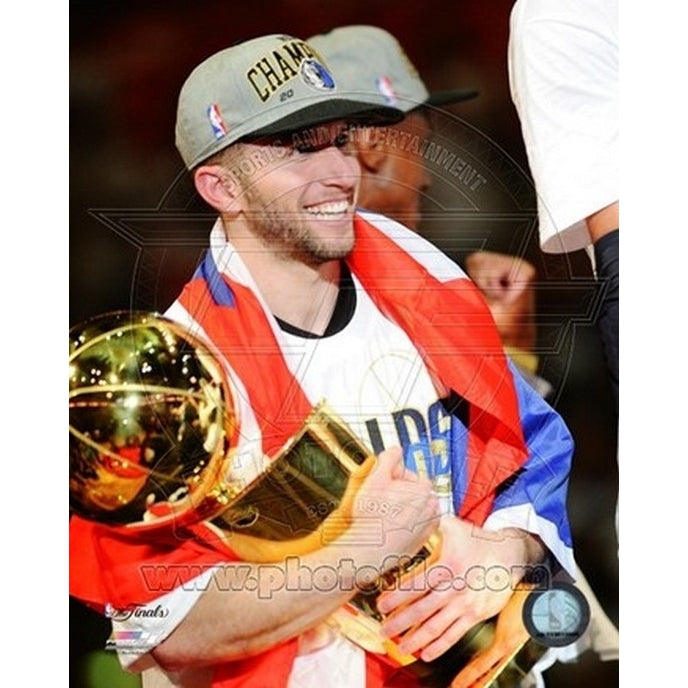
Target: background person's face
{"points": [[395, 189]]}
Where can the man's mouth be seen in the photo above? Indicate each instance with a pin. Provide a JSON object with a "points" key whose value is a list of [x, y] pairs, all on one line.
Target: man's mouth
{"points": [[330, 209]]}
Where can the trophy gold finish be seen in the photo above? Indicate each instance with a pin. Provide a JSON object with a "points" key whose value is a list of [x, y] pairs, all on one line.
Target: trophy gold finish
{"points": [[152, 425]]}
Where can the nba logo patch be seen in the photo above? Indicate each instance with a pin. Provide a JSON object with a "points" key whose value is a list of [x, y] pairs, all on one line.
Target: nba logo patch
{"points": [[384, 85], [218, 125]]}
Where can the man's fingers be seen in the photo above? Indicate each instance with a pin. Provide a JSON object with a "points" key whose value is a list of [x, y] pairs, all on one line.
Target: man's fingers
{"points": [[478, 666], [436, 634], [391, 462]]}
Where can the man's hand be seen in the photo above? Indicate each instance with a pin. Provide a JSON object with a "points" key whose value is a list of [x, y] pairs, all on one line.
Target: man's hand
{"points": [[507, 284], [510, 635], [471, 580], [397, 506]]}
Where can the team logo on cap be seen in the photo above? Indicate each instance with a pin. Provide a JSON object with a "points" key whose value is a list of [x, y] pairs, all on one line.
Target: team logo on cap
{"points": [[314, 74], [218, 125], [384, 85]]}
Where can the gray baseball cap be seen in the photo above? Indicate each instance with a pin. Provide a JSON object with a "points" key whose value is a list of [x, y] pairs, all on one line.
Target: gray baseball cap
{"points": [[266, 85], [371, 63]]}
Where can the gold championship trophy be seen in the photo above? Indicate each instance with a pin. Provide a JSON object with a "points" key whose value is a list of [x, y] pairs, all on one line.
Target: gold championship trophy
{"points": [[151, 425]]}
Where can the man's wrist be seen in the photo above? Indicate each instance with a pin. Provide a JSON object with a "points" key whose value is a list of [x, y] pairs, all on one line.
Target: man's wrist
{"points": [[525, 550]]}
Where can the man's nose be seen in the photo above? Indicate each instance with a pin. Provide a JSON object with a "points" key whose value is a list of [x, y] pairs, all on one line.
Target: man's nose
{"points": [[340, 167]]}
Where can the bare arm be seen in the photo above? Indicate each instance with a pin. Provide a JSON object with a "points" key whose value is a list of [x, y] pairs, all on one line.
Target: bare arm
{"points": [[603, 221], [281, 600]]}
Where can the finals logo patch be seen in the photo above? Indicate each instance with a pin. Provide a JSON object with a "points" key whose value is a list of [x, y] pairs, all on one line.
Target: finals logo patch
{"points": [[315, 75]]}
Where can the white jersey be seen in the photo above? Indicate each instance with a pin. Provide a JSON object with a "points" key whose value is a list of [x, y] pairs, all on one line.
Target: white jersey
{"points": [[372, 375]]}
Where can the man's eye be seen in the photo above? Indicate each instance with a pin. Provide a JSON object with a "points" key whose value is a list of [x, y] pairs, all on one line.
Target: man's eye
{"points": [[305, 147], [342, 139]]}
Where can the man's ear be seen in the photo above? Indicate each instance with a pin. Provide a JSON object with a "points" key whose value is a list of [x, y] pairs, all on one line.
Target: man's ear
{"points": [[218, 188], [370, 153]]}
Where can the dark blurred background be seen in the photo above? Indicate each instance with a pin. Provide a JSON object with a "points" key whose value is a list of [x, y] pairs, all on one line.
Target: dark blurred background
{"points": [[136, 233]]}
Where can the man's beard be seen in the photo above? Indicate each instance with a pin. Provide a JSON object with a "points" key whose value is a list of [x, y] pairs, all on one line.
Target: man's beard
{"points": [[288, 234]]}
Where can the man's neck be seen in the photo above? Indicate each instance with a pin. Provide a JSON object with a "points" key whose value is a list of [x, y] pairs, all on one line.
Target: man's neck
{"points": [[296, 292], [343, 312], [304, 298]]}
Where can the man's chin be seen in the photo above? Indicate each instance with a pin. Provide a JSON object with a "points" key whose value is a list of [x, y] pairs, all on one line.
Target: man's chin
{"points": [[327, 250]]}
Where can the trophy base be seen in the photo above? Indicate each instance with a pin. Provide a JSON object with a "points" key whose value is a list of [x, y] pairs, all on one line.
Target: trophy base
{"points": [[360, 621], [508, 673]]}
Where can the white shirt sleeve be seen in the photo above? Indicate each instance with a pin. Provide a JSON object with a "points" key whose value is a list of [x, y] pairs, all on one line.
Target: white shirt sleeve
{"points": [[563, 74]]}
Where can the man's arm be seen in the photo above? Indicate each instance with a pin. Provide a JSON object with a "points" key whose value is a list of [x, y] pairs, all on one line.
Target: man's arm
{"points": [[227, 625], [603, 221]]}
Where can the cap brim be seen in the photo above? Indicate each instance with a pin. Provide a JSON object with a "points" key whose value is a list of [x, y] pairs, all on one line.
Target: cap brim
{"points": [[329, 111], [449, 97]]}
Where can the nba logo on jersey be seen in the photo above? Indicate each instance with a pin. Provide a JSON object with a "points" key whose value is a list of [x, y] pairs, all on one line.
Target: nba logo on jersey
{"points": [[216, 122], [384, 85]]}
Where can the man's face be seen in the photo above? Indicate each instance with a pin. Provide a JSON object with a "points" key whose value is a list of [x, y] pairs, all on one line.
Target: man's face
{"points": [[299, 192], [395, 188]]}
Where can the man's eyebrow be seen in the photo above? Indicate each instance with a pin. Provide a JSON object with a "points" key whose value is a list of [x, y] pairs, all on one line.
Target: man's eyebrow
{"points": [[311, 138]]}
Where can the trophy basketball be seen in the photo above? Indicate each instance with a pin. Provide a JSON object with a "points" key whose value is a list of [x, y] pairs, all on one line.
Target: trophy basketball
{"points": [[152, 437]]}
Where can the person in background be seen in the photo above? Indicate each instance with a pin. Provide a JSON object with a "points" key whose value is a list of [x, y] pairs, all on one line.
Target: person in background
{"points": [[563, 62]]}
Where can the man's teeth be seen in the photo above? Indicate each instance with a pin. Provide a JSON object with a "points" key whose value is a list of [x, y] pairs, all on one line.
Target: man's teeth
{"points": [[333, 208]]}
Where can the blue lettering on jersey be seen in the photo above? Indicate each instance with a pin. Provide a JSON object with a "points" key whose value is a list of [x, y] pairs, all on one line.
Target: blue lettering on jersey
{"points": [[434, 443]]}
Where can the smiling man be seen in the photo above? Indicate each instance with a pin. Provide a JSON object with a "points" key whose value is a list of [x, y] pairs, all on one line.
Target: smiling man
{"points": [[303, 299]]}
